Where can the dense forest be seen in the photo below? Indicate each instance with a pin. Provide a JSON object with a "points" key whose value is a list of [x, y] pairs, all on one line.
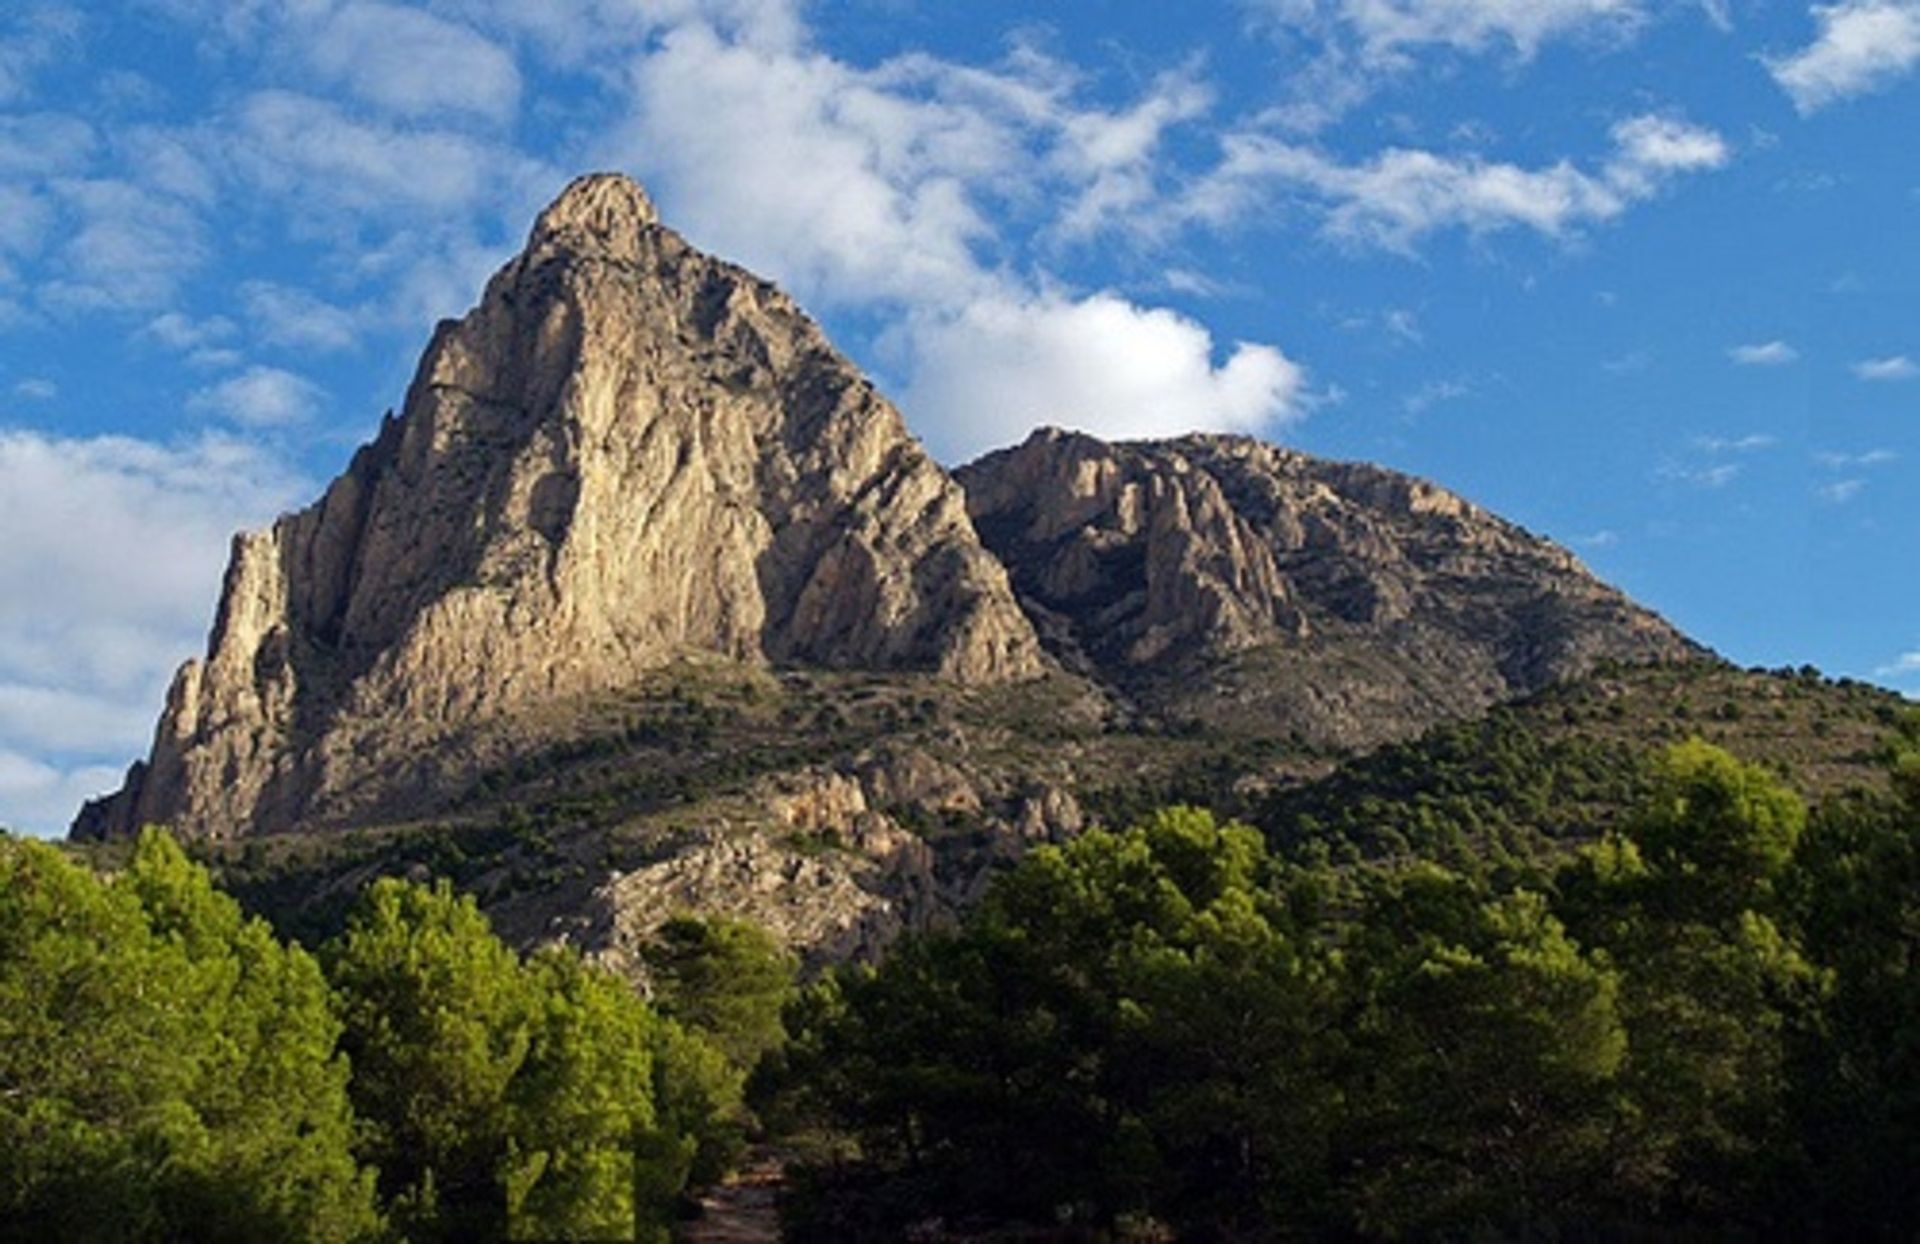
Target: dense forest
{"points": [[1459, 998], [170, 1070], [1702, 1023]]}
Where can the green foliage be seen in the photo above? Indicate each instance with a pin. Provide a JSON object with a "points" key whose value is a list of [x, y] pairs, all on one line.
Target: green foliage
{"points": [[1704, 1023], [503, 1097], [726, 979], [1485, 1054], [1495, 795], [167, 1070]]}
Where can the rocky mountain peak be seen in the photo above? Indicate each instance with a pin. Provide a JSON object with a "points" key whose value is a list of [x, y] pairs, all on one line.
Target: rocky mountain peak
{"points": [[601, 214], [629, 453]]}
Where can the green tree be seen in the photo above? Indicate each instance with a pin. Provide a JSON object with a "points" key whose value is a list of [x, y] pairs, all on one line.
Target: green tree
{"points": [[509, 1098], [726, 979], [1479, 1090], [1687, 901], [167, 1069]]}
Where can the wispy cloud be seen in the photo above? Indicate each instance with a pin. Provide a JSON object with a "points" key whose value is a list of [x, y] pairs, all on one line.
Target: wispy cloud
{"points": [[1862, 45], [1399, 197], [1718, 475], [1840, 491], [1894, 367], [1833, 460], [1751, 443], [1906, 665], [1763, 354], [1432, 393], [261, 397]]}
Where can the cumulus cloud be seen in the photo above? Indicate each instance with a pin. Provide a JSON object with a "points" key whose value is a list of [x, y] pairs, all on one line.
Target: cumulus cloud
{"points": [[1763, 354], [261, 397], [1893, 367], [112, 561], [869, 187], [1862, 46], [987, 373], [1400, 196]]}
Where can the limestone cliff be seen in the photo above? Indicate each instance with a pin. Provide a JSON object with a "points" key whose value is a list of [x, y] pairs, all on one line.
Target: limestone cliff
{"points": [[627, 452], [1243, 586]]}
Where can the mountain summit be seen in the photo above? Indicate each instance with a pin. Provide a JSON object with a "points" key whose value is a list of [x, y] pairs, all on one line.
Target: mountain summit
{"points": [[629, 451], [632, 457]]}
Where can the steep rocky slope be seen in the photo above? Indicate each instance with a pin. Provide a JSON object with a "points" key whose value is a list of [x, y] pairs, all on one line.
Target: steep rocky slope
{"points": [[1252, 588], [627, 451]]}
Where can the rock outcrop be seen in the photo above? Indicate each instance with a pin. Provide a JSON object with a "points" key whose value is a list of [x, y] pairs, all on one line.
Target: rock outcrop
{"points": [[1240, 585], [627, 452]]}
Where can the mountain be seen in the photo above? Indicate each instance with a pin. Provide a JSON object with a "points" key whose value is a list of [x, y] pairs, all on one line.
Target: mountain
{"points": [[1259, 590], [648, 601], [627, 452]]}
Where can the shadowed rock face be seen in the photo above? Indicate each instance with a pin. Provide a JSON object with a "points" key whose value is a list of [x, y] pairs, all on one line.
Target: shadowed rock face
{"points": [[627, 452], [1261, 590]]}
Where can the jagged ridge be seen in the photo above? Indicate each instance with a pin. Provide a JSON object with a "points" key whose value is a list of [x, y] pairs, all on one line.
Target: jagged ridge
{"points": [[1268, 592]]}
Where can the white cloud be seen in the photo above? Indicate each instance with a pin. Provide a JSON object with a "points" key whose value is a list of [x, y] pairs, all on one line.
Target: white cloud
{"points": [[1763, 354], [996, 368], [412, 63], [261, 397], [37, 798], [1835, 461], [37, 389], [1893, 367], [1352, 48], [129, 249], [1862, 45], [1906, 665], [45, 144], [866, 187], [111, 563], [325, 161], [1751, 443], [1716, 476], [34, 38], [1388, 26], [1402, 195], [282, 316], [1431, 394], [179, 331], [1840, 491]]}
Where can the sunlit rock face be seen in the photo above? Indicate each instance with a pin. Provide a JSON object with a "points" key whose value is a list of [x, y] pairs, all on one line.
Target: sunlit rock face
{"points": [[629, 451]]}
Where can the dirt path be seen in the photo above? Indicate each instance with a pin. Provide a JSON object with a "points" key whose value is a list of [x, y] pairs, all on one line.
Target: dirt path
{"points": [[745, 1209]]}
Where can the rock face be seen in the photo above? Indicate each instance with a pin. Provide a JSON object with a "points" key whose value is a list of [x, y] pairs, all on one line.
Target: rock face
{"points": [[628, 451], [1251, 587]]}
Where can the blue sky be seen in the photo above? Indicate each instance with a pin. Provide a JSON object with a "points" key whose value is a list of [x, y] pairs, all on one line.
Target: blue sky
{"points": [[1639, 274]]}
